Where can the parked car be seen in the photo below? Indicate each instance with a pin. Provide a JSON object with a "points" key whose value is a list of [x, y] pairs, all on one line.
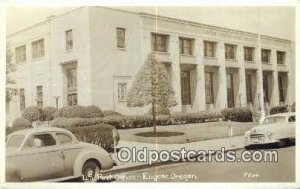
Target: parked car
{"points": [[52, 154], [277, 128]]}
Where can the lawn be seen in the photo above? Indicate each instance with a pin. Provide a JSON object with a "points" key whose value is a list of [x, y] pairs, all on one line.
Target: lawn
{"points": [[192, 132]]}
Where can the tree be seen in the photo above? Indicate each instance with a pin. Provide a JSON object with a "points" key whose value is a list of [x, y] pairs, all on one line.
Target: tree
{"points": [[152, 86], [10, 67]]}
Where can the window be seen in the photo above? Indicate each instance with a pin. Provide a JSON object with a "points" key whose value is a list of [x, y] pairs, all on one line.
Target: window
{"points": [[249, 88], [63, 138], [249, 53], [21, 54], [121, 37], [280, 57], [69, 40], [230, 90], [230, 51], [209, 49], [265, 55], [159, 42], [39, 96], [280, 87], [122, 91], [72, 86], [185, 88], [38, 48], [22, 100], [186, 46], [266, 88], [209, 88], [40, 140]]}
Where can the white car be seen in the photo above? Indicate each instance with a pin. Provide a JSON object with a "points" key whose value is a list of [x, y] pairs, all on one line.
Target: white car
{"points": [[278, 128]]}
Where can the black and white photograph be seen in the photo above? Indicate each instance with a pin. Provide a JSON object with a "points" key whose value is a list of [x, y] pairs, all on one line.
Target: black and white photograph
{"points": [[150, 94]]}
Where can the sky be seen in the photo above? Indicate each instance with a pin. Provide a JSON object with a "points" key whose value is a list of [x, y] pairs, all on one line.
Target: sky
{"points": [[272, 21]]}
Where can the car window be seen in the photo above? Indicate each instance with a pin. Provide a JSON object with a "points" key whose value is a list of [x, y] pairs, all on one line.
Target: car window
{"points": [[275, 119], [292, 119], [63, 138], [40, 140], [15, 141]]}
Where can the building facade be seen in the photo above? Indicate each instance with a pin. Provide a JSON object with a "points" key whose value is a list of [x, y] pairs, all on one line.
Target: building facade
{"points": [[90, 55]]}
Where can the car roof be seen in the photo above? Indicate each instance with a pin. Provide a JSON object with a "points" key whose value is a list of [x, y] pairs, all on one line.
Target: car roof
{"points": [[283, 114], [39, 129]]}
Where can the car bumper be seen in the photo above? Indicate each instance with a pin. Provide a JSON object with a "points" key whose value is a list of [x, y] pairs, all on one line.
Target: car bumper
{"points": [[249, 142]]}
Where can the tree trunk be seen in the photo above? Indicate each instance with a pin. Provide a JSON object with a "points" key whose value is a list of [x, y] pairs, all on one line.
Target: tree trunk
{"points": [[154, 118]]}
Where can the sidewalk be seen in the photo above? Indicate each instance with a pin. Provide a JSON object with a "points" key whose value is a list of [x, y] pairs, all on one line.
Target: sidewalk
{"points": [[216, 144]]}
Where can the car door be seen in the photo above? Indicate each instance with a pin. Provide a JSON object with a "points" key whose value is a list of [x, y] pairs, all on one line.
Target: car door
{"points": [[291, 130], [70, 148], [41, 157]]}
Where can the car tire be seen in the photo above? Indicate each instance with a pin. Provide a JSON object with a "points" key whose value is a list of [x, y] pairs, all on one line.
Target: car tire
{"points": [[283, 143], [90, 170]]}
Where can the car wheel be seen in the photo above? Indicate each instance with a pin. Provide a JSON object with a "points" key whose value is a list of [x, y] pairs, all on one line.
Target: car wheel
{"points": [[90, 170], [282, 143]]}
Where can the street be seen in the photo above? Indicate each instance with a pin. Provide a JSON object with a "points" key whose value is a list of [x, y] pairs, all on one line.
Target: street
{"points": [[281, 171]]}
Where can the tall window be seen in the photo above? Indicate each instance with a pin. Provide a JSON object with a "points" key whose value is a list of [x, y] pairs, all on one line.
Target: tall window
{"points": [[185, 88], [22, 100], [186, 46], [38, 49], [209, 49], [266, 88], [20, 54], [280, 87], [209, 88], [249, 88], [159, 42], [249, 53], [121, 37], [72, 85], [280, 57], [39, 96], [122, 91], [265, 55], [230, 90], [69, 40], [230, 51]]}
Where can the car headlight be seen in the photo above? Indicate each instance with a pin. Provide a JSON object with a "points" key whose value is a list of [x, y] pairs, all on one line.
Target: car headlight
{"points": [[269, 133]]}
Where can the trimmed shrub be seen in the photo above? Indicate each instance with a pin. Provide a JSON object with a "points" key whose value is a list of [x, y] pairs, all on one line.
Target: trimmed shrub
{"points": [[237, 114], [93, 111], [110, 113], [279, 109], [18, 124], [48, 113], [74, 122], [126, 122], [32, 113], [100, 134], [73, 111]]}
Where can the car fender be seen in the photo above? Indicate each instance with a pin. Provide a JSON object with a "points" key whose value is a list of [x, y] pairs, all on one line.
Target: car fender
{"points": [[104, 159], [11, 173]]}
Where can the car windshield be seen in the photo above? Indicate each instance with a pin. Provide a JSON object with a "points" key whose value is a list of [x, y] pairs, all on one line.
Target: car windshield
{"points": [[15, 141], [275, 119]]}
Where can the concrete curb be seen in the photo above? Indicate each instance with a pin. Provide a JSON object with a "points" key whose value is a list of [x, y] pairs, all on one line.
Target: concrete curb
{"points": [[156, 164]]}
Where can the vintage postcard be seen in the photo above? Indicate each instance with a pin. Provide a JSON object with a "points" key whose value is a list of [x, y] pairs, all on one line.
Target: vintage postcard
{"points": [[148, 94]]}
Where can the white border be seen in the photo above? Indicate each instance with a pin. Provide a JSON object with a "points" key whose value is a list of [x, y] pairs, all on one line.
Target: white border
{"points": [[55, 3]]}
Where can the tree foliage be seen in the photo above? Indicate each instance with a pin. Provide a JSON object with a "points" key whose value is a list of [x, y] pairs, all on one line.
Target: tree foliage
{"points": [[152, 86]]}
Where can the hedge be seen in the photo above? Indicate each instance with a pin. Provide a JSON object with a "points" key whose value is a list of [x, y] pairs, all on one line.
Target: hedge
{"points": [[237, 114], [74, 122], [279, 109], [125, 122], [100, 134], [110, 113], [32, 113], [77, 111], [48, 113], [18, 124]]}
